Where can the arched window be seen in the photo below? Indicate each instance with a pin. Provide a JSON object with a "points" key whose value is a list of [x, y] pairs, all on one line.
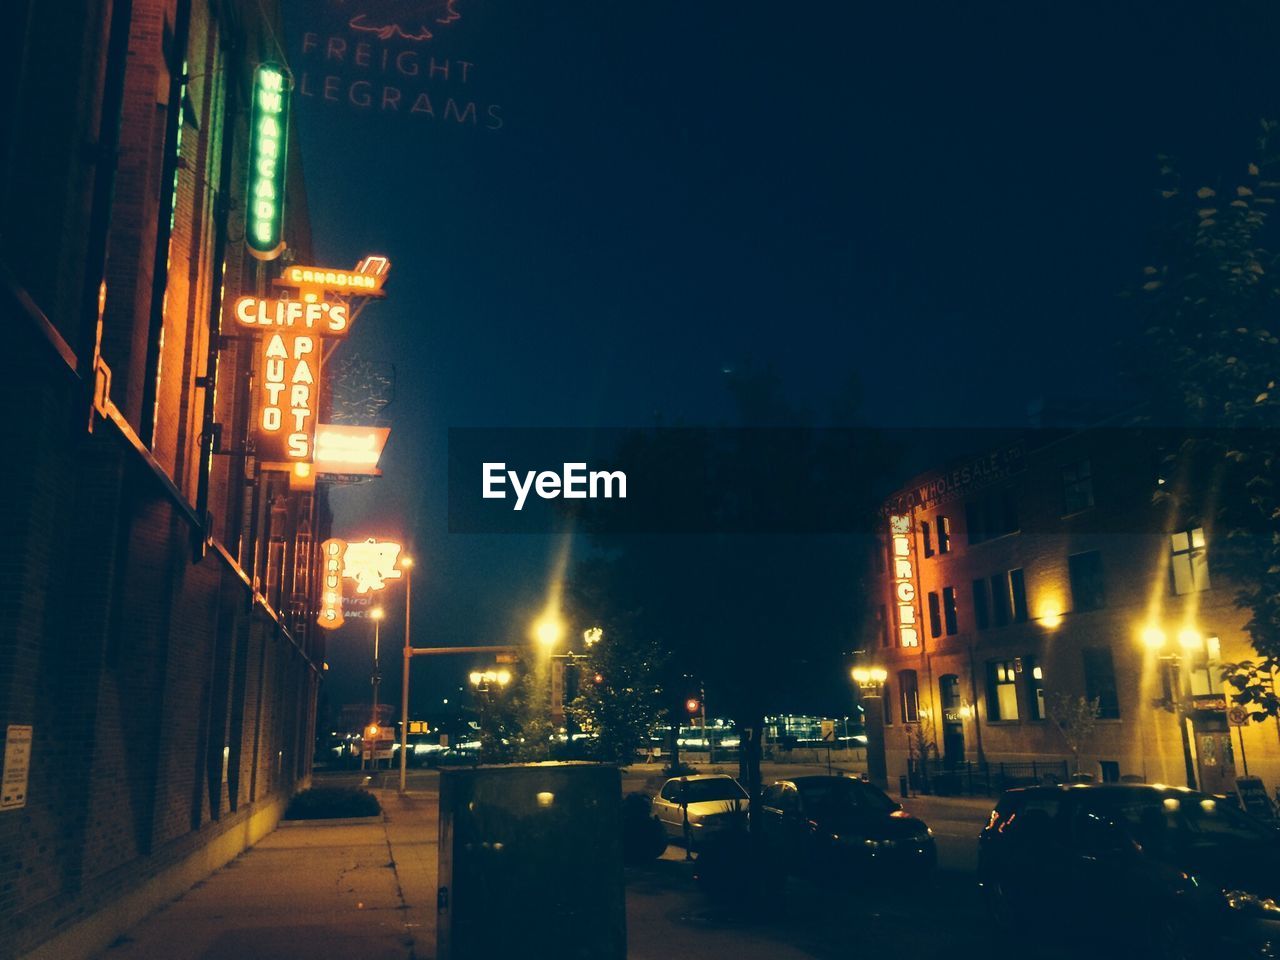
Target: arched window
{"points": [[909, 695]]}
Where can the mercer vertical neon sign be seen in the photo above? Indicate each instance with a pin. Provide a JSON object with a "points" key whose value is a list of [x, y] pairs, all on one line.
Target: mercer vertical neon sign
{"points": [[268, 136]]}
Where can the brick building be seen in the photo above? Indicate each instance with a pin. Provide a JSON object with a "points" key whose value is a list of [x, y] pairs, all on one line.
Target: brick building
{"points": [[1042, 572], [155, 584]]}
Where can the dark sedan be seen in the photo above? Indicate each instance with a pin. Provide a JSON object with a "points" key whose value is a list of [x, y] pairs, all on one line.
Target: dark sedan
{"points": [[843, 827], [1146, 870]]}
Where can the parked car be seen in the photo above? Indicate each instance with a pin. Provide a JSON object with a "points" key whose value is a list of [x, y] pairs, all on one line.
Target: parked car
{"points": [[1150, 870], [843, 826], [713, 801]]}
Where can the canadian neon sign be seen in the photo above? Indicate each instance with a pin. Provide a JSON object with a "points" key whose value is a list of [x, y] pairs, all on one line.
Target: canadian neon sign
{"points": [[370, 563], [904, 581], [268, 138]]}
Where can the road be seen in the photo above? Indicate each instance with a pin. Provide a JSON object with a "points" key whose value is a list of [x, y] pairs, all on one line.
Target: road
{"points": [[670, 918]]}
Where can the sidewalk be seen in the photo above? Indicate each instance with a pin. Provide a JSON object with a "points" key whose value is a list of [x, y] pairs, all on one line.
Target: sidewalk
{"points": [[320, 890]]}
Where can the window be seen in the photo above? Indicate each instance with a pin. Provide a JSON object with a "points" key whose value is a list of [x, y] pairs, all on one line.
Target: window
{"points": [[1018, 588], [926, 537], [944, 534], [981, 604], [909, 694], [949, 610], [1035, 688], [991, 516], [1000, 599], [1202, 666], [1002, 690], [1190, 561], [1085, 573], [1077, 487], [1100, 681], [886, 700], [935, 615], [1110, 770]]}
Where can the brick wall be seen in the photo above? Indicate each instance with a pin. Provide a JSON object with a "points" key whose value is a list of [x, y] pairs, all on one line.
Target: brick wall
{"points": [[170, 704]]}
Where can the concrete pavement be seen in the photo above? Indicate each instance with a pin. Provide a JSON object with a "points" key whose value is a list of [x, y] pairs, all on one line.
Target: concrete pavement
{"points": [[340, 890]]}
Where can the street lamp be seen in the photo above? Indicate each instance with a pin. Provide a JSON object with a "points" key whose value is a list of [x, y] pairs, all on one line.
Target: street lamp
{"points": [[376, 615], [871, 681], [406, 564], [548, 630], [1171, 680]]}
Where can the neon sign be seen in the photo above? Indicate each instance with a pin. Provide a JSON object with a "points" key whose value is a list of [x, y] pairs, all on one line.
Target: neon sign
{"points": [[904, 584], [365, 280], [320, 316], [268, 138], [347, 449], [288, 374], [370, 563]]}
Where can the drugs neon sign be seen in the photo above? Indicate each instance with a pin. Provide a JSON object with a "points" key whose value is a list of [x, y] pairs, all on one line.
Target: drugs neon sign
{"points": [[268, 137]]}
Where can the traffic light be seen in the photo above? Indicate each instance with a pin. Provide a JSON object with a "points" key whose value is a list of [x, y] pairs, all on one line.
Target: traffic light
{"points": [[371, 732], [692, 705]]}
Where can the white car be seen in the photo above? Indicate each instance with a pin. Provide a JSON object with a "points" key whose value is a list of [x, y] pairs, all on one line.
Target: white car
{"points": [[710, 801]]}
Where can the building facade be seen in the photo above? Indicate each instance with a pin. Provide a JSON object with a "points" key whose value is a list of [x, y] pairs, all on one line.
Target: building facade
{"points": [[1021, 589], [158, 673]]}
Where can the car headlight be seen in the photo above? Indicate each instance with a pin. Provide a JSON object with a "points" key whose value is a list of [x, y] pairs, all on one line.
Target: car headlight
{"points": [[1243, 900]]}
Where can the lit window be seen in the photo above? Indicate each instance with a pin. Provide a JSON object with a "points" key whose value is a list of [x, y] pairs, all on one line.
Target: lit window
{"points": [[909, 693], [1002, 690], [1035, 688], [944, 534], [949, 610], [1190, 561], [1202, 666]]}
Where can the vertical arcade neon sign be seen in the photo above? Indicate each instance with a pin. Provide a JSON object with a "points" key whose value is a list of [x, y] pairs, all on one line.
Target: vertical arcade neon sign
{"points": [[904, 585], [268, 136]]}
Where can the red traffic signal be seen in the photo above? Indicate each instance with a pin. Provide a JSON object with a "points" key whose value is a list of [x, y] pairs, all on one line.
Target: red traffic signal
{"points": [[692, 705]]}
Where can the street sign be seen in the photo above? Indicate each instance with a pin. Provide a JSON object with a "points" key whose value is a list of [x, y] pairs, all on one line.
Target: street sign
{"points": [[1237, 716], [418, 726], [1253, 797], [828, 730], [17, 766]]}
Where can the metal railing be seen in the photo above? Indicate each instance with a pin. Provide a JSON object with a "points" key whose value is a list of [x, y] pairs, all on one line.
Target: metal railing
{"points": [[943, 777]]}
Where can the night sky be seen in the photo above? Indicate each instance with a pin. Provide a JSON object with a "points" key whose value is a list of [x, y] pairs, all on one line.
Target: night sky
{"points": [[941, 200]]}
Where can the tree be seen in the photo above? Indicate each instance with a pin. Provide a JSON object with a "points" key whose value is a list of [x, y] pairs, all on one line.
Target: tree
{"points": [[620, 697], [1210, 355], [1076, 718], [747, 563]]}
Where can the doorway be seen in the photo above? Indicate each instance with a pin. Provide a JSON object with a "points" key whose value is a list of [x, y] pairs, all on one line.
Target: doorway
{"points": [[952, 721]]}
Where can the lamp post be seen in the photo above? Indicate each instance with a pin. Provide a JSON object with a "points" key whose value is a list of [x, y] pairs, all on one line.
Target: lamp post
{"points": [[406, 564], [870, 681], [1171, 676], [376, 679], [548, 631]]}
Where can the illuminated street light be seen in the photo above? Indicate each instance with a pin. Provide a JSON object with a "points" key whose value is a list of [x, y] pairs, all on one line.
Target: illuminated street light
{"points": [[1171, 677], [548, 630], [869, 679]]}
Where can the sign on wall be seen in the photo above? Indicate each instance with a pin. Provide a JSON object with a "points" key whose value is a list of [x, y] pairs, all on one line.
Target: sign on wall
{"points": [[17, 766], [342, 449], [288, 384]]}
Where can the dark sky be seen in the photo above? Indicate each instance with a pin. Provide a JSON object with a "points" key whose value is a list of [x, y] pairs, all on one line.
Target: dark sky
{"points": [[940, 199]]}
